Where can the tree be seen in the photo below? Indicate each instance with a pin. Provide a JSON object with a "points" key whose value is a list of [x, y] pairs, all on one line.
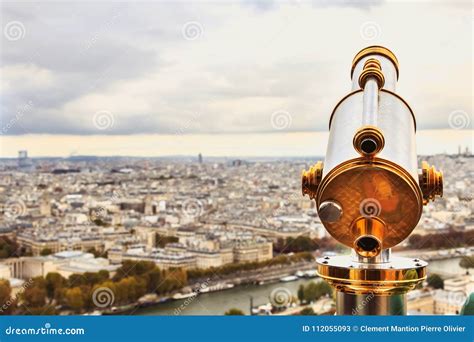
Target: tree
{"points": [[74, 298], [449, 239], [467, 262], [46, 251], [234, 312], [104, 275], [301, 293], [7, 303], [153, 279], [76, 279], [311, 292], [34, 296], [130, 268], [315, 290], [324, 288], [54, 282], [8, 247], [435, 281], [307, 311], [174, 279]]}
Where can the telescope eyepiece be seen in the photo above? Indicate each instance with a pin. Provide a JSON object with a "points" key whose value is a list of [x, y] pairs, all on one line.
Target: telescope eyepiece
{"points": [[368, 141], [367, 246]]}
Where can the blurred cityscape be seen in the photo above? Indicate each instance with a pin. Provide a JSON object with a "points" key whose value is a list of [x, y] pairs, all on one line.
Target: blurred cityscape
{"points": [[209, 235]]}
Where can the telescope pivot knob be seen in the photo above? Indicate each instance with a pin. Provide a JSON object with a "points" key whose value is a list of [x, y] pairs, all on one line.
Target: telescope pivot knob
{"points": [[311, 179], [431, 182]]}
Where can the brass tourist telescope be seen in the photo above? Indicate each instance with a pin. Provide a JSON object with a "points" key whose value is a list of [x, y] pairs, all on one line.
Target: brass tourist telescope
{"points": [[369, 192]]}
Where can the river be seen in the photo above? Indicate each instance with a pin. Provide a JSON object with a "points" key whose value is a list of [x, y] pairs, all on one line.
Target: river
{"points": [[217, 303]]}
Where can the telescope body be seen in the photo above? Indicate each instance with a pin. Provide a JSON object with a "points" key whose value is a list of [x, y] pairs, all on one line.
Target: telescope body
{"points": [[369, 192]]}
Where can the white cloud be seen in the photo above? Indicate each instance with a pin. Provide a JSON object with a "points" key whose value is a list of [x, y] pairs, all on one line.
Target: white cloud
{"points": [[250, 60]]}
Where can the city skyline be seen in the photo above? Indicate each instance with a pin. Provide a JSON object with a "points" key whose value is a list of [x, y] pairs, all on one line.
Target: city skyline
{"points": [[291, 144]]}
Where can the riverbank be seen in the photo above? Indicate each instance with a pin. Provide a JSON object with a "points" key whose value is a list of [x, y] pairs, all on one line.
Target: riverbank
{"points": [[255, 284], [216, 283], [217, 303]]}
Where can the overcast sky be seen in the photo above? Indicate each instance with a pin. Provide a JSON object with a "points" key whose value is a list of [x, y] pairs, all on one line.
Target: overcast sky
{"points": [[186, 68]]}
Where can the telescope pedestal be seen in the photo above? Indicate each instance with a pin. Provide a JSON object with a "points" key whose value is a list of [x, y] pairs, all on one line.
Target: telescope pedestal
{"points": [[371, 287], [370, 304]]}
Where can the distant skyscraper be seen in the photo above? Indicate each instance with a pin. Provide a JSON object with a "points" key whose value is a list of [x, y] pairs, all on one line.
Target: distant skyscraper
{"points": [[200, 158], [23, 160]]}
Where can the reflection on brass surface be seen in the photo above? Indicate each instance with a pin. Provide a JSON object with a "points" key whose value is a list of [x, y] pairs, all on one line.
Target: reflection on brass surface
{"points": [[397, 276], [371, 134], [372, 68], [310, 180], [370, 231], [380, 90], [375, 50], [431, 182], [372, 188]]}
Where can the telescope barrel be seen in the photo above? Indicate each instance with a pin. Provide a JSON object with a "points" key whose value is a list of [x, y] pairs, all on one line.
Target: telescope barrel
{"points": [[369, 192]]}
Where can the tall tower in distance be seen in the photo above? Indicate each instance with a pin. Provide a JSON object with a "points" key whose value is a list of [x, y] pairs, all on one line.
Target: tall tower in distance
{"points": [[200, 158], [22, 158], [23, 161]]}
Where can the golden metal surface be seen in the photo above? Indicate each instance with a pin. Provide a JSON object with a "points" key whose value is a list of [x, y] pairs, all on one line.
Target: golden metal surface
{"points": [[375, 50], [431, 182], [311, 179], [361, 91], [368, 133], [372, 188], [372, 68], [397, 276], [370, 232]]}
